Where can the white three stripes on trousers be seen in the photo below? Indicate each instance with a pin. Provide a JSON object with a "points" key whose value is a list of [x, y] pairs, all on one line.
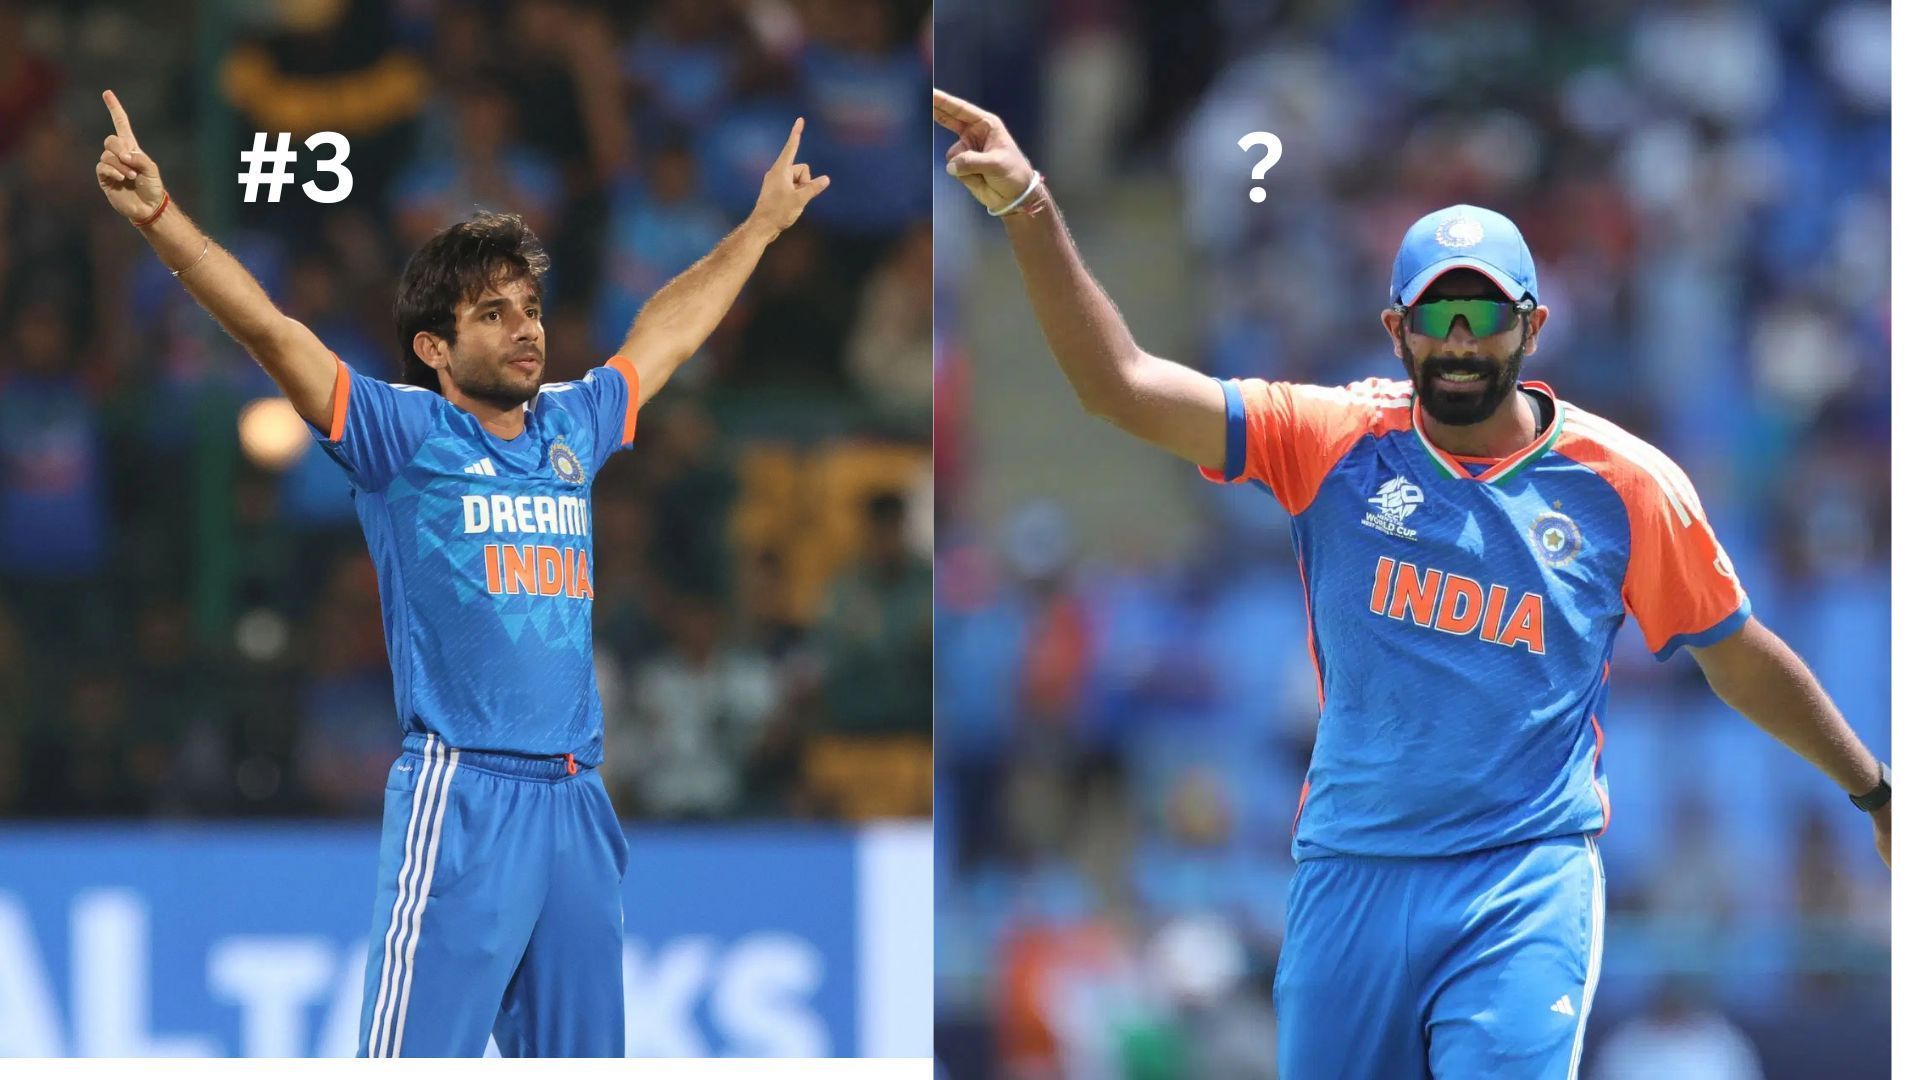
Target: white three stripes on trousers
{"points": [[389, 1021], [1595, 945]]}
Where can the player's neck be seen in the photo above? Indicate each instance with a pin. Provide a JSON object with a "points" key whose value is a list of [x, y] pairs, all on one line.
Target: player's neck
{"points": [[1507, 431], [501, 421]]}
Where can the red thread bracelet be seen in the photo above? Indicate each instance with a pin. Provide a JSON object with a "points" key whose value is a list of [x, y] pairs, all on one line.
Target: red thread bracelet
{"points": [[165, 198]]}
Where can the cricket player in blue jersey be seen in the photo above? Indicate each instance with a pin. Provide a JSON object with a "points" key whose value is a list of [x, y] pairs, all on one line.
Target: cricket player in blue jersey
{"points": [[498, 906], [1470, 547]]}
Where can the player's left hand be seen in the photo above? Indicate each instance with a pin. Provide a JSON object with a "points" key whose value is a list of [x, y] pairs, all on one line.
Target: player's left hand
{"points": [[788, 187], [1883, 833]]}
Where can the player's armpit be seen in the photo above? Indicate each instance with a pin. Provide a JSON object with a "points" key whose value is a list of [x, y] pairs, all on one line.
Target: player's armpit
{"points": [[1169, 405], [304, 370], [641, 386], [645, 376]]}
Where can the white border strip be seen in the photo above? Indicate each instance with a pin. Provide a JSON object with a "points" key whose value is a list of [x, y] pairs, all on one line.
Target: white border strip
{"points": [[462, 1069], [1598, 915], [1906, 884], [894, 875]]}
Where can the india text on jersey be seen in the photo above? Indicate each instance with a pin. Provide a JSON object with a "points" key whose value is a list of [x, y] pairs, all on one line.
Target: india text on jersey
{"points": [[1457, 604]]}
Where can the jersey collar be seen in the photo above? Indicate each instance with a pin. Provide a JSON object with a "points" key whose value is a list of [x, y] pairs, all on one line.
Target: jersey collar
{"points": [[1508, 466]]}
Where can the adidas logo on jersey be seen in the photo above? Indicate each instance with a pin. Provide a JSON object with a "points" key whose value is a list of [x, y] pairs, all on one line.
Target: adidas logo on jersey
{"points": [[1396, 501], [483, 467], [1564, 1006], [1458, 605]]}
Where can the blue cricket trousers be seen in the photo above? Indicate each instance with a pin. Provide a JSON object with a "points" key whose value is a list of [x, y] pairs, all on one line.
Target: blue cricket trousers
{"points": [[498, 909], [1467, 967]]}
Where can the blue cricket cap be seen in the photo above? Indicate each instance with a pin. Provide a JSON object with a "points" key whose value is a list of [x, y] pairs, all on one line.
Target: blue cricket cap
{"points": [[1468, 236]]}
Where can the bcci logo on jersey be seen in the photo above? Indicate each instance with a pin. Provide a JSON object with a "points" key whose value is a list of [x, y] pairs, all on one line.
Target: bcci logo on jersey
{"points": [[565, 465], [1395, 503], [1556, 537]]}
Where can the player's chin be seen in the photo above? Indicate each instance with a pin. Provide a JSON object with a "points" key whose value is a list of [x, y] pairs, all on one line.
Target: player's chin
{"points": [[523, 379], [1454, 404], [515, 388]]}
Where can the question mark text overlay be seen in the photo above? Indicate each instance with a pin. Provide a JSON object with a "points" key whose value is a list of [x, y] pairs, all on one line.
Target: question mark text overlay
{"points": [[1271, 142]]}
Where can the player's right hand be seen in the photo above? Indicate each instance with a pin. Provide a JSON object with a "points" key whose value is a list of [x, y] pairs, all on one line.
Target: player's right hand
{"points": [[985, 159], [128, 176]]}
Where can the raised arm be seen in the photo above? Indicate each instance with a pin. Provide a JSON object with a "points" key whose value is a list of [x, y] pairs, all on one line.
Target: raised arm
{"points": [[290, 353], [1760, 676], [1168, 404], [675, 321]]}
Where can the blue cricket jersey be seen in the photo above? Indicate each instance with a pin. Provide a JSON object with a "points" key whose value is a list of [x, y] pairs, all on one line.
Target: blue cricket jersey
{"points": [[1461, 612], [483, 548]]}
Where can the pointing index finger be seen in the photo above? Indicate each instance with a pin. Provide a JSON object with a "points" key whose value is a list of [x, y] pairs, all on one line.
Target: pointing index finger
{"points": [[121, 125], [788, 151], [955, 114]]}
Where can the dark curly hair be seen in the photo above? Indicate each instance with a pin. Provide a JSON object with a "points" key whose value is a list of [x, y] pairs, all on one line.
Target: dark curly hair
{"points": [[461, 262]]}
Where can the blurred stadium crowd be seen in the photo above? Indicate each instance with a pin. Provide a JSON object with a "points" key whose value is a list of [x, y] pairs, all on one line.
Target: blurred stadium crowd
{"points": [[1125, 697], [188, 620]]}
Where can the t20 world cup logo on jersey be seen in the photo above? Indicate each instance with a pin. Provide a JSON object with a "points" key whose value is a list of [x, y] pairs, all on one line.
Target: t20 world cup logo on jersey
{"points": [[565, 465], [1397, 500]]}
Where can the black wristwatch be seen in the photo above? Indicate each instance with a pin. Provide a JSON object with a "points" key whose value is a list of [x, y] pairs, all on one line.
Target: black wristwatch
{"points": [[1877, 798]]}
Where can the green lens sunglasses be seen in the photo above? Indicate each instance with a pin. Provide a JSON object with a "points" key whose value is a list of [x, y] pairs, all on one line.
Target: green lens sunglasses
{"points": [[1434, 318]]}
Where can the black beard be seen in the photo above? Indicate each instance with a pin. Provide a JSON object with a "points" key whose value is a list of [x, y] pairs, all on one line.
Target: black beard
{"points": [[490, 385], [1455, 409]]}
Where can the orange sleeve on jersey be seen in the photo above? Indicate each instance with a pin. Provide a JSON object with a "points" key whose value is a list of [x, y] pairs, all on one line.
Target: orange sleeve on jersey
{"points": [[1292, 434], [342, 385], [1680, 586], [625, 367]]}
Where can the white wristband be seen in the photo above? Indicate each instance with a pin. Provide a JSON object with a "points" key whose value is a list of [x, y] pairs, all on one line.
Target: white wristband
{"points": [[1033, 185]]}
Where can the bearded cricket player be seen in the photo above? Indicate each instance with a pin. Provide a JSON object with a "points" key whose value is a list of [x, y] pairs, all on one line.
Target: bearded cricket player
{"points": [[1470, 546]]}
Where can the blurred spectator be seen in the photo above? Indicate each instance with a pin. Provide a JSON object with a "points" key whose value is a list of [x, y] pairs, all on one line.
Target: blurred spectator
{"points": [[801, 308], [100, 764], [180, 706], [699, 714], [688, 60], [1700, 884], [868, 754], [16, 714], [858, 70], [770, 625], [693, 491], [50, 227], [892, 340], [489, 169], [345, 741], [1682, 1034], [658, 227], [55, 525], [1043, 965], [28, 81], [876, 639]]}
